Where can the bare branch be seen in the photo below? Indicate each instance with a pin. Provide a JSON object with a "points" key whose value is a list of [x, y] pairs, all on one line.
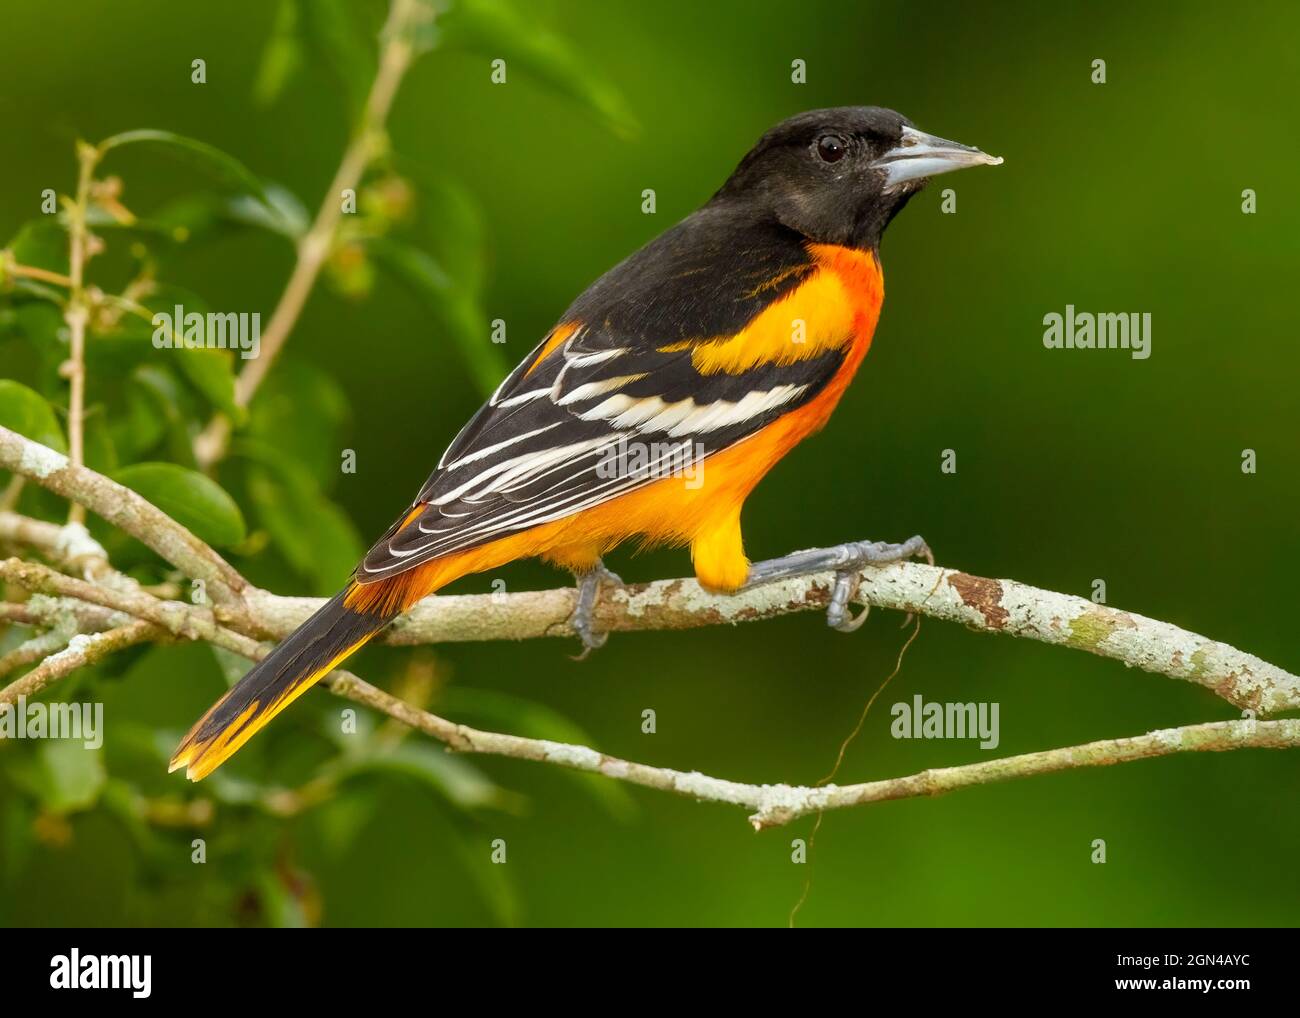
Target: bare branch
{"points": [[781, 804], [71, 545], [123, 508], [774, 805], [82, 650], [36, 649], [190, 622], [982, 604]]}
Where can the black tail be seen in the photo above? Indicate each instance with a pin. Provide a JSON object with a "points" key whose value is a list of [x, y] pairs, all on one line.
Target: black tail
{"points": [[293, 667]]}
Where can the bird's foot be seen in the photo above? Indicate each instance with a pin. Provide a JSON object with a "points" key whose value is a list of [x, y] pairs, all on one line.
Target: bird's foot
{"points": [[846, 560], [582, 619]]}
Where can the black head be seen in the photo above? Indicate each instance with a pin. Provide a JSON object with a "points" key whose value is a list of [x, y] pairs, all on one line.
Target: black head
{"points": [[838, 176]]}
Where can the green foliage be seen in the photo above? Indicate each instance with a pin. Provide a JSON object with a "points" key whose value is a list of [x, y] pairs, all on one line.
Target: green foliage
{"points": [[315, 537], [496, 29], [190, 499], [42, 243], [224, 168], [26, 412], [454, 308], [146, 406], [63, 776]]}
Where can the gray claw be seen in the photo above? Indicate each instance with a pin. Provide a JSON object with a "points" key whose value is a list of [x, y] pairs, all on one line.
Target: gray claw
{"points": [[582, 618], [845, 560], [866, 553]]}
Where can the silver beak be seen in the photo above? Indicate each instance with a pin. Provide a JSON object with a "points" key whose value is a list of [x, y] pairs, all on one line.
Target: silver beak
{"points": [[920, 155]]}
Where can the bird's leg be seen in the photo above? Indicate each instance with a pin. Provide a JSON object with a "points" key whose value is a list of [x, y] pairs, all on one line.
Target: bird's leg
{"points": [[846, 560], [581, 620]]}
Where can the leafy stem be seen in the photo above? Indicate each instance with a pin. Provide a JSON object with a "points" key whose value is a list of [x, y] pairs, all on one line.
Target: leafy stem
{"points": [[405, 18], [77, 311]]}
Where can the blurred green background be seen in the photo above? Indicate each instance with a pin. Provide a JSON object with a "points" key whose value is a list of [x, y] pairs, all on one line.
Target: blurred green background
{"points": [[1072, 465]]}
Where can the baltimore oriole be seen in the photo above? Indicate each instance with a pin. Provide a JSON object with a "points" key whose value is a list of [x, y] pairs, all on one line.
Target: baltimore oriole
{"points": [[722, 343]]}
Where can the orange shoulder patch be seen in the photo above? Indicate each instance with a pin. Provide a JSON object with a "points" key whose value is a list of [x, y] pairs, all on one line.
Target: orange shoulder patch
{"points": [[839, 302]]}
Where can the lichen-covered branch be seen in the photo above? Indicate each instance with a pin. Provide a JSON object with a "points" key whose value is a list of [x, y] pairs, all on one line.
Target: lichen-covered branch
{"points": [[82, 650], [123, 508], [70, 545], [981, 604], [119, 612], [31, 651], [188, 622], [778, 804]]}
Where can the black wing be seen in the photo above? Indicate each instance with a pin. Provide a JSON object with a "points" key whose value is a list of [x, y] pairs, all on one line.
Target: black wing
{"points": [[619, 403]]}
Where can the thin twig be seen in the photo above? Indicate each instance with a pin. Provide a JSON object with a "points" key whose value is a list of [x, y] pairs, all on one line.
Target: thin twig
{"points": [[70, 545], [190, 622], [82, 650], [314, 246], [12, 268], [36, 649], [126, 510], [77, 313], [17, 614]]}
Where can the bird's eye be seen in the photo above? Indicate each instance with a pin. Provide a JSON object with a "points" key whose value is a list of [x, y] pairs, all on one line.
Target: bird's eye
{"points": [[830, 149]]}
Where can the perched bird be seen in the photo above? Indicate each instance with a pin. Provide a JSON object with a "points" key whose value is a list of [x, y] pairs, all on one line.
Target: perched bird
{"points": [[652, 409]]}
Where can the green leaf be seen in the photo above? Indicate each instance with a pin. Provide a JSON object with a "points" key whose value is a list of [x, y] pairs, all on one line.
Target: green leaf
{"points": [[492, 880], [100, 451], [26, 412], [503, 712], [282, 909], [191, 216], [342, 818], [452, 222], [281, 57], [17, 841], [41, 326], [342, 46], [42, 244], [313, 534], [450, 777], [495, 29], [158, 406], [137, 429], [63, 775], [301, 413], [210, 371], [283, 212], [225, 168], [190, 498], [457, 311]]}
